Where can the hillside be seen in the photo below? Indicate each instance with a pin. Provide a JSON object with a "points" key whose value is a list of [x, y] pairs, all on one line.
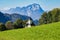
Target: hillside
{"points": [[43, 32]]}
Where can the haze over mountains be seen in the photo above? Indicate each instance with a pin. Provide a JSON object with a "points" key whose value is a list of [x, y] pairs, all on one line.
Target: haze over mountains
{"points": [[34, 9]]}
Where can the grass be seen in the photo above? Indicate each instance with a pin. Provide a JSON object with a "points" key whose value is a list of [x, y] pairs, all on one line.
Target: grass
{"points": [[43, 32]]}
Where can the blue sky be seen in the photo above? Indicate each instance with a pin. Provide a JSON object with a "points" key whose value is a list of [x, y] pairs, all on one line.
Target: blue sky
{"points": [[45, 4]]}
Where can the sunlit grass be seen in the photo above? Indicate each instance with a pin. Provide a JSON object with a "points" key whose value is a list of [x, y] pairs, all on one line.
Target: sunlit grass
{"points": [[42, 32]]}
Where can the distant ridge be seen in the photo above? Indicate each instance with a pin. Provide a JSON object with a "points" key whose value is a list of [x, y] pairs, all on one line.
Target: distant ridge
{"points": [[11, 17]]}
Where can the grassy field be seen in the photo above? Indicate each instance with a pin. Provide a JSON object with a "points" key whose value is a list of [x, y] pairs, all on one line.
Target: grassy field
{"points": [[43, 32]]}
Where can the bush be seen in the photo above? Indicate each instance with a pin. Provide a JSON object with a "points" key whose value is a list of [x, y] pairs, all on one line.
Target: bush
{"points": [[9, 25]]}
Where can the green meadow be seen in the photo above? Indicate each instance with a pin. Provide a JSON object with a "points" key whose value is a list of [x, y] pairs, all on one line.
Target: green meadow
{"points": [[42, 32]]}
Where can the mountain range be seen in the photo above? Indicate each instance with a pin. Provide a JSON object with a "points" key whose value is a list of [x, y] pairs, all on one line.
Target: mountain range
{"points": [[34, 9]]}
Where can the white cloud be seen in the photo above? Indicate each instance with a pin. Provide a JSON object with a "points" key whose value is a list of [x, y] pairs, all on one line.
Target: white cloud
{"points": [[6, 8]]}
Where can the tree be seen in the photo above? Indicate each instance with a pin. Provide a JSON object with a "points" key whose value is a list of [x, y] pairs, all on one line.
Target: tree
{"points": [[57, 16], [51, 16], [18, 23], [9, 25], [43, 19], [2, 27]]}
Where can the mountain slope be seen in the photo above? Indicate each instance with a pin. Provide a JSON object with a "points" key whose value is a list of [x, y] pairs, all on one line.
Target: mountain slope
{"points": [[43, 32], [14, 17], [11, 17], [3, 18]]}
